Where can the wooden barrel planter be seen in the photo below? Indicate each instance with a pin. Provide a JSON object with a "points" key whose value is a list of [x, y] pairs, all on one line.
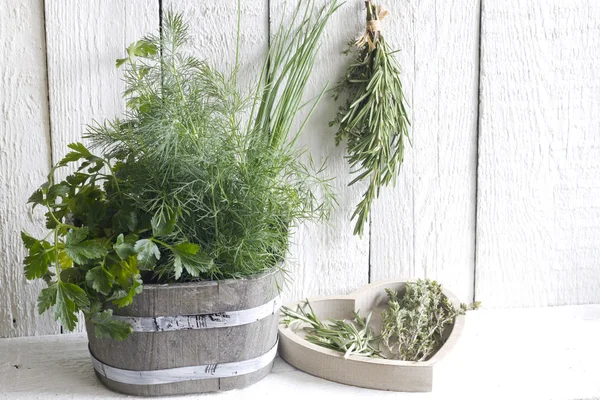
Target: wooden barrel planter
{"points": [[192, 338]]}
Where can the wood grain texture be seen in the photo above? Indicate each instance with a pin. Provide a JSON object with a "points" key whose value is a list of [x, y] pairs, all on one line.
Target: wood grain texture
{"points": [[144, 351], [84, 40], [538, 230], [24, 160], [222, 319], [327, 258], [213, 34], [424, 227]]}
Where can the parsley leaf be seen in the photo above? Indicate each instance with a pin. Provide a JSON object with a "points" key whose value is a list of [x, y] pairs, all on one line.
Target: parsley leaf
{"points": [[125, 219], [59, 190], [101, 279], [36, 198], [163, 223], [190, 257], [76, 294], [64, 260], [141, 48], [107, 327], [124, 271], [79, 152], [40, 257], [28, 240], [47, 298], [82, 251], [148, 253], [124, 246], [75, 236], [125, 298], [69, 298]]}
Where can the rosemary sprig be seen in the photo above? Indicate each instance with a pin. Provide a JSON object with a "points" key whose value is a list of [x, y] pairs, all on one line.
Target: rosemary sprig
{"points": [[349, 337], [374, 117]]}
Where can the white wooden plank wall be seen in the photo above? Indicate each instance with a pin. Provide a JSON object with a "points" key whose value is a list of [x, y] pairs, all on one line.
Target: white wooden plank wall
{"points": [[530, 215], [538, 217], [84, 40], [213, 31], [328, 259], [424, 227], [24, 159]]}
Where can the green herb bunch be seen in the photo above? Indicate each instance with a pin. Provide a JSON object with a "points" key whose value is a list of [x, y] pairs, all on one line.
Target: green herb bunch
{"points": [[373, 117], [197, 180], [350, 337], [413, 326]]}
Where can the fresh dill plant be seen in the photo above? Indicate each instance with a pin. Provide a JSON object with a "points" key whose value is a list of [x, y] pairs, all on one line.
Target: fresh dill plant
{"points": [[373, 118], [197, 181]]}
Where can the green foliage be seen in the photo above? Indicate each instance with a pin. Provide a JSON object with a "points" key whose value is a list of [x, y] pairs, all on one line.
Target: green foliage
{"points": [[147, 253], [373, 117], [47, 298], [41, 255], [196, 181], [413, 327], [125, 247], [81, 251], [69, 298], [100, 279], [191, 258], [349, 337], [107, 327]]}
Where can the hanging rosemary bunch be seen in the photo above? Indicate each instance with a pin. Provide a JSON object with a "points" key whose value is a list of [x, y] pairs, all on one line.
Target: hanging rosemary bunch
{"points": [[374, 117]]}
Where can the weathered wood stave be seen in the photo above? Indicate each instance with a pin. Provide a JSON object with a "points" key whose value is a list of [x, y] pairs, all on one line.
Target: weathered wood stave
{"points": [[149, 351]]}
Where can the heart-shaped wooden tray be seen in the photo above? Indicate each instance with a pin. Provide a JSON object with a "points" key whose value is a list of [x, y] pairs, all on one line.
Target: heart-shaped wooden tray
{"points": [[373, 373]]}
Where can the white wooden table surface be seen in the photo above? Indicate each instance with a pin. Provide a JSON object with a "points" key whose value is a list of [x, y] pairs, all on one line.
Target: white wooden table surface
{"points": [[549, 353]]}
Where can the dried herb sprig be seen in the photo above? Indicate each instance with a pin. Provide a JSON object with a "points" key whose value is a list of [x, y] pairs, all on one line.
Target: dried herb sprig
{"points": [[374, 117], [413, 327], [349, 337]]}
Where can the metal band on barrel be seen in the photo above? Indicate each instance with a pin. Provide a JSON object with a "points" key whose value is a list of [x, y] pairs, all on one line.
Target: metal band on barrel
{"points": [[202, 321], [173, 375]]}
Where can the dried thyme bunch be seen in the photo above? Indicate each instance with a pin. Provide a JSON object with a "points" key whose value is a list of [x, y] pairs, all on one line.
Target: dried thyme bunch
{"points": [[413, 327], [349, 337], [373, 118]]}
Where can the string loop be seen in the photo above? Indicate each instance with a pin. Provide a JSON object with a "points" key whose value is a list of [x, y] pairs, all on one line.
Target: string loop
{"points": [[373, 27]]}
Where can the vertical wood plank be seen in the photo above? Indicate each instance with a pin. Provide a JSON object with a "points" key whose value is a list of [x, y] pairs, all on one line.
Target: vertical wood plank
{"points": [[213, 34], [327, 258], [538, 231], [24, 160], [83, 41], [424, 227]]}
